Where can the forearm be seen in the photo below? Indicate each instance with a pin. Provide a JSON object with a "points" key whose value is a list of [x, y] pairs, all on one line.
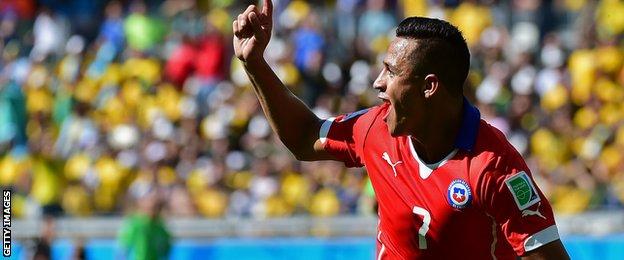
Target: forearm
{"points": [[295, 124]]}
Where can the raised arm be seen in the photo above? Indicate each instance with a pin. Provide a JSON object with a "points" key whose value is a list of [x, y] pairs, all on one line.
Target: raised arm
{"points": [[290, 118]]}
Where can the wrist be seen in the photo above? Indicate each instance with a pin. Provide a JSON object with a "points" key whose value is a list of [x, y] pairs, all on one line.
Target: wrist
{"points": [[254, 62]]}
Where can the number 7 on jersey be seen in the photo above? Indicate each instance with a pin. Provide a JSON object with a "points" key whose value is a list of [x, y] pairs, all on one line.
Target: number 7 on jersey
{"points": [[422, 231]]}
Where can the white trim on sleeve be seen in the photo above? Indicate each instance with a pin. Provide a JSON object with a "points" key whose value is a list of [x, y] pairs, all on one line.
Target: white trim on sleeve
{"points": [[325, 129], [541, 238]]}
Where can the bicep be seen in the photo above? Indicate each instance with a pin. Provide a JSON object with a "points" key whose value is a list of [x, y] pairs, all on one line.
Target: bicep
{"points": [[336, 139], [552, 250], [320, 153], [317, 150]]}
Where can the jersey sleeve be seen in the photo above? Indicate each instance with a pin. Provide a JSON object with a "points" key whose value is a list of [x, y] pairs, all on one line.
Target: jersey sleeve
{"points": [[342, 136], [510, 196]]}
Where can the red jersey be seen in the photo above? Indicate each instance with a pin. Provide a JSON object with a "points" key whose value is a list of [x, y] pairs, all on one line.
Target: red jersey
{"points": [[479, 202]]}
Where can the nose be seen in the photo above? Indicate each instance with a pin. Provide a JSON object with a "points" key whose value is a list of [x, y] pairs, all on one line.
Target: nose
{"points": [[380, 82]]}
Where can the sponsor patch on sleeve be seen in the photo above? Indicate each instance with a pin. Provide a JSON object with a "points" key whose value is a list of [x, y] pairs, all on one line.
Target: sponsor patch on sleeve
{"points": [[522, 189]]}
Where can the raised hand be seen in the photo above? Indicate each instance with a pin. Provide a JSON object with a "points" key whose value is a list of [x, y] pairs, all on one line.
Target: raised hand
{"points": [[252, 31]]}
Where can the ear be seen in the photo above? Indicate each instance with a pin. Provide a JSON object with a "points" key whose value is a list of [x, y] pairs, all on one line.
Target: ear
{"points": [[432, 83]]}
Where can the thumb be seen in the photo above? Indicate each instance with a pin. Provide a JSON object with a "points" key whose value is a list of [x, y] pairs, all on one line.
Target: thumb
{"points": [[257, 27]]}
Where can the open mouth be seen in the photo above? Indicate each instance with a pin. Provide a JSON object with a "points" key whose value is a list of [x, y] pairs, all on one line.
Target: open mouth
{"points": [[384, 97], [386, 103]]}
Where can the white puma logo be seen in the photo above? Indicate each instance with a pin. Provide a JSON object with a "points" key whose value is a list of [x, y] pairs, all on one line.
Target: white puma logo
{"points": [[386, 157], [536, 212]]}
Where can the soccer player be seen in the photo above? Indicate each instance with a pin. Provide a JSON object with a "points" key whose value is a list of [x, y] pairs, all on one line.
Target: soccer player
{"points": [[448, 184]]}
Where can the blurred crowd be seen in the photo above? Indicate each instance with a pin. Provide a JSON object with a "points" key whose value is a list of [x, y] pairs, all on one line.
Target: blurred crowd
{"points": [[103, 102]]}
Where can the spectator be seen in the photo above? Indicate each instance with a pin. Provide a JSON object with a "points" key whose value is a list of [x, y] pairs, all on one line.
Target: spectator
{"points": [[112, 28], [143, 234], [43, 245], [89, 124]]}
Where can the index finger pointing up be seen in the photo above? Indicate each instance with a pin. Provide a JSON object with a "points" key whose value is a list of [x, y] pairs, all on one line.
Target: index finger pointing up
{"points": [[267, 8]]}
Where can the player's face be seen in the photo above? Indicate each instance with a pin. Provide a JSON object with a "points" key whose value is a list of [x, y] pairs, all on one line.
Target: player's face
{"points": [[400, 89]]}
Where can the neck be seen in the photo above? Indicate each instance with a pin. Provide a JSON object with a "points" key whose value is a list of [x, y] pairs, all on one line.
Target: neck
{"points": [[437, 140]]}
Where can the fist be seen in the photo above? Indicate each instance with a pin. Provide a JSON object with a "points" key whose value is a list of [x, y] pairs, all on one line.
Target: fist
{"points": [[252, 32]]}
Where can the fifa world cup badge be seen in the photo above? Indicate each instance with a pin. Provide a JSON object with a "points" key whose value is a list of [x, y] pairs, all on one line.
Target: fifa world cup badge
{"points": [[522, 190]]}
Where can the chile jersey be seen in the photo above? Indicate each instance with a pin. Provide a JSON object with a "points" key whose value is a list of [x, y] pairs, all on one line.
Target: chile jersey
{"points": [[479, 202]]}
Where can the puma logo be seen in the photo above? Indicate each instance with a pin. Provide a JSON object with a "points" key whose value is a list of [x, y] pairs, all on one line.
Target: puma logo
{"points": [[535, 212], [386, 157]]}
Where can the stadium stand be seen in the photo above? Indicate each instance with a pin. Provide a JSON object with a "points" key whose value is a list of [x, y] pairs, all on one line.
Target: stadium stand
{"points": [[104, 101]]}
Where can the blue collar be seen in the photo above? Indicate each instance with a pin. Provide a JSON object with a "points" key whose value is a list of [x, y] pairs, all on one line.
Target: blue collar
{"points": [[470, 124]]}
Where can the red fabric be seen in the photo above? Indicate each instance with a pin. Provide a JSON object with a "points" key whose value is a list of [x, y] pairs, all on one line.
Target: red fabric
{"points": [[491, 217]]}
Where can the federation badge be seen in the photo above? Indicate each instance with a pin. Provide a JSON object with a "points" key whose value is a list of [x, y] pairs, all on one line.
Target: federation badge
{"points": [[459, 194]]}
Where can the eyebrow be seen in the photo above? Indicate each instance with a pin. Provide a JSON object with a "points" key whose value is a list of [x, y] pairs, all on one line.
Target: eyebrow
{"points": [[392, 68]]}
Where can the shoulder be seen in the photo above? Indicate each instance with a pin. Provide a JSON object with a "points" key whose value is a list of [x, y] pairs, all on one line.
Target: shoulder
{"points": [[493, 158], [367, 114], [344, 135], [493, 151], [372, 122], [349, 127], [361, 119], [494, 162]]}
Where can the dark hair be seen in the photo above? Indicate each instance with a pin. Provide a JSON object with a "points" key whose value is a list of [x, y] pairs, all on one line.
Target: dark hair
{"points": [[442, 50]]}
